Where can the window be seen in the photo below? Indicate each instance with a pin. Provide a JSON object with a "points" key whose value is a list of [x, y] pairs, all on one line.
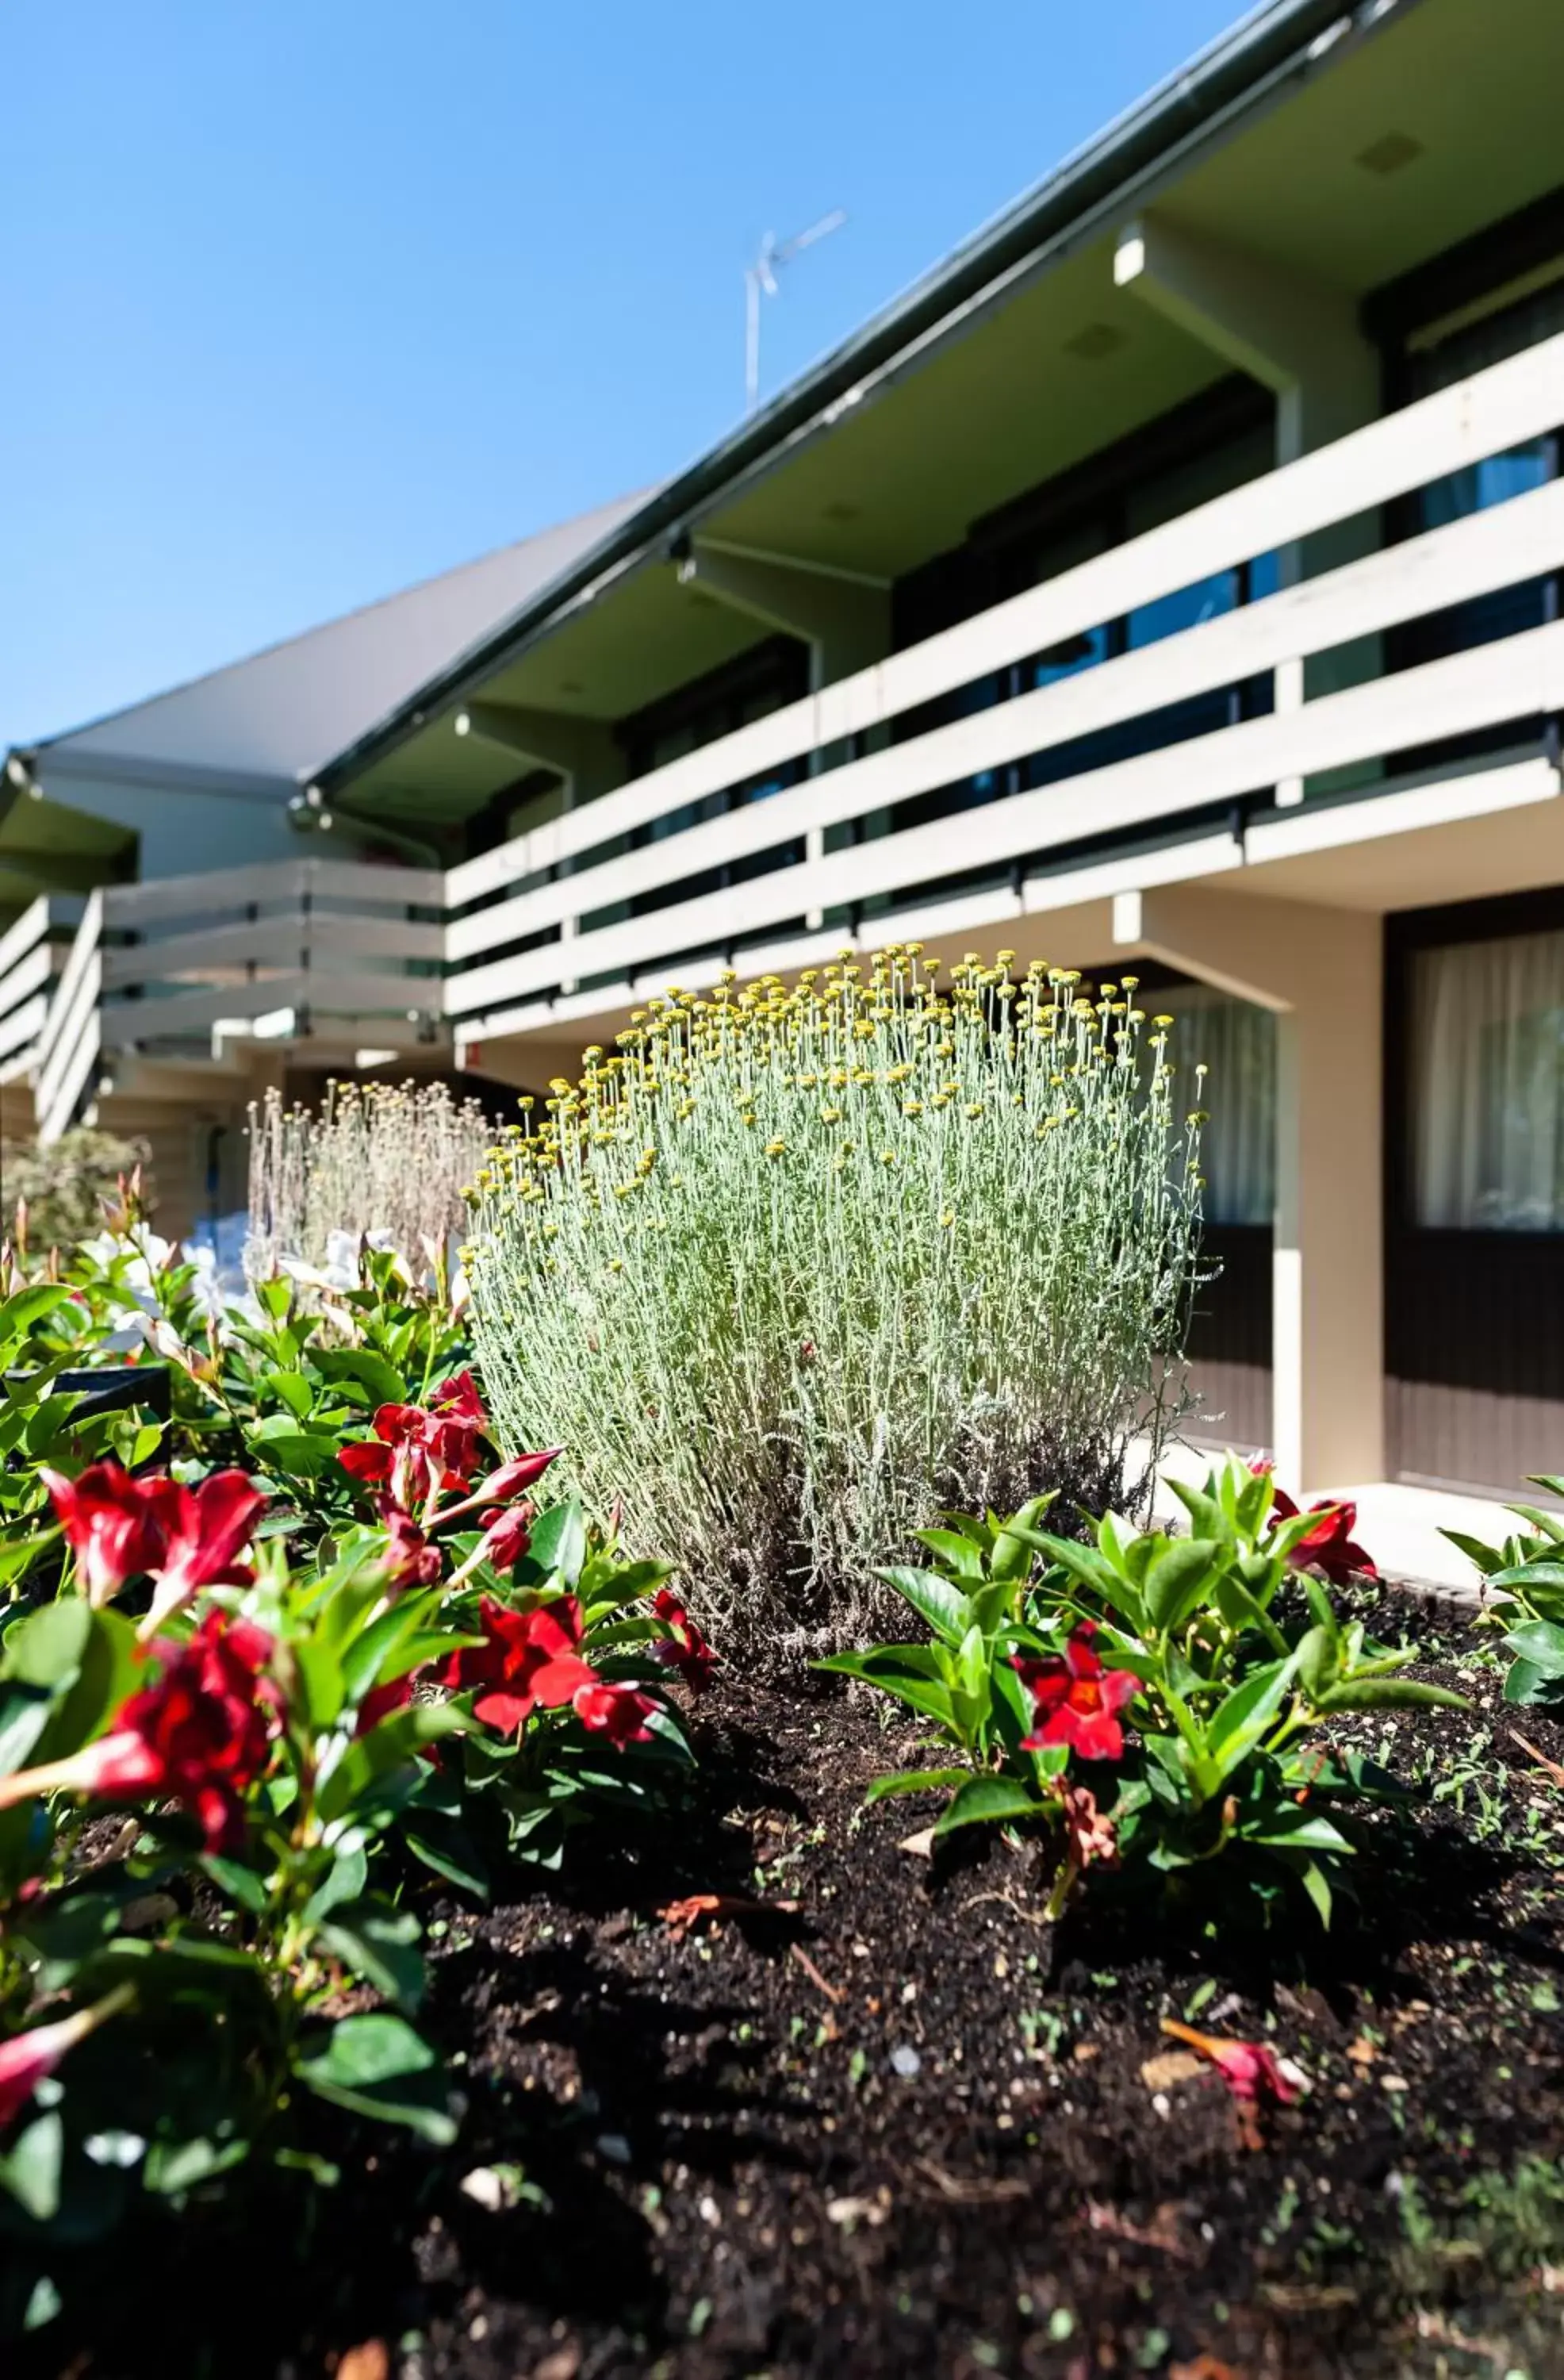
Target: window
{"points": [[1486, 1084], [1236, 1044]]}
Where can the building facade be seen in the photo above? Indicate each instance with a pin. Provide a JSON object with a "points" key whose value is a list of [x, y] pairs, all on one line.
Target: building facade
{"points": [[1169, 582]]}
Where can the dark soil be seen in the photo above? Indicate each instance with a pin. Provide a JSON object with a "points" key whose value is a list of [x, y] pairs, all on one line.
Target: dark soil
{"points": [[905, 2129]]}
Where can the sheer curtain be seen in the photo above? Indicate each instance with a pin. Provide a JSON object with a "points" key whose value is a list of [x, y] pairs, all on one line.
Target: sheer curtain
{"points": [[1236, 1043], [1487, 1085]]}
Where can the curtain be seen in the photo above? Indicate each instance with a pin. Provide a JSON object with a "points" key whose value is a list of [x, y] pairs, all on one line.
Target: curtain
{"points": [[1236, 1043], [1487, 1085]]}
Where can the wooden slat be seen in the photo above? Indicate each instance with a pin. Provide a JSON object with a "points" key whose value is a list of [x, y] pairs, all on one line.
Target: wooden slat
{"points": [[1521, 398], [1450, 696], [1468, 558], [322, 938]]}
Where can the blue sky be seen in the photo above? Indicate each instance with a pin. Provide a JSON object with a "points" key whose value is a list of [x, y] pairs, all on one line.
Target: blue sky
{"points": [[305, 299]]}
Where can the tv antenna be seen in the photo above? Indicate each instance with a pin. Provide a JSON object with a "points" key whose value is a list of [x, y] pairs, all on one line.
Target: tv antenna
{"points": [[760, 281]]}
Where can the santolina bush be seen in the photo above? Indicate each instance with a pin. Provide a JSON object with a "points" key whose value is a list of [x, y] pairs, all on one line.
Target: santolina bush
{"points": [[793, 1270], [387, 1160]]}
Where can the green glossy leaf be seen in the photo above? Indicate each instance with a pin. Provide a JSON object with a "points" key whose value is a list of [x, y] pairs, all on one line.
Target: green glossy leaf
{"points": [[1390, 1693], [175, 2166], [941, 1605], [988, 1800], [48, 1647], [1540, 1642], [559, 1541], [1178, 1582], [921, 1694], [240, 1883], [1206, 1513], [1239, 1721], [299, 1453], [443, 1844], [376, 2065], [24, 1715], [344, 1880], [30, 2167], [381, 1944], [1526, 1683], [916, 1780], [1012, 1556], [1090, 1568], [1285, 1825], [25, 1309], [958, 1553], [290, 1389], [384, 1384]]}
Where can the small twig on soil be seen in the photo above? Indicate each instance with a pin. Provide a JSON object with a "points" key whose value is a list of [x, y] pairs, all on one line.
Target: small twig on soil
{"points": [[1027, 1916], [831, 1990], [973, 2189], [1108, 2220], [1552, 1767]]}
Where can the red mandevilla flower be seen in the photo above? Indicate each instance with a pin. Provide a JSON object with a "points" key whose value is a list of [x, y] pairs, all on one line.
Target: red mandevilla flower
{"points": [[507, 1537], [684, 1648], [1328, 1546], [111, 1525], [205, 1526], [417, 1450], [531, 1660], [409, 1560], [620, 1712], [201, 1734], [527, 1660], [380, 1702], [512, 1478], [1076, 1699]]}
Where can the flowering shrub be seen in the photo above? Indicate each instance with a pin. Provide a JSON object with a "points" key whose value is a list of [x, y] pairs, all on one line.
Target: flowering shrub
{"points": [[1523, 1594], [241, 1713], [1166, 1663], [793, 1269], [374, 1161]]}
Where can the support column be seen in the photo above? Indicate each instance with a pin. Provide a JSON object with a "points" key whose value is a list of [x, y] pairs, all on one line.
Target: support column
{"points": [[1300, 338], [1321, 973], [583, 752], [843, 617]]}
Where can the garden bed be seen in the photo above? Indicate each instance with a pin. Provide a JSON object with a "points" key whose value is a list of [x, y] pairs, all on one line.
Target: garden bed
{"points": [[901, 2127]]}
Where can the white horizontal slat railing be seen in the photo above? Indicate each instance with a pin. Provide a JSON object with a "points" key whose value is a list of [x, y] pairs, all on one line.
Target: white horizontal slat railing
{"points": [[1521, 398], [330, 936], [169, 960], [70, 1043], [1472, 557], [1467, 559]]}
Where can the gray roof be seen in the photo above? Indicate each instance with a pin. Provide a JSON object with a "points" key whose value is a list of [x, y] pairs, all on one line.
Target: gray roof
{"points": [[284, 712]]}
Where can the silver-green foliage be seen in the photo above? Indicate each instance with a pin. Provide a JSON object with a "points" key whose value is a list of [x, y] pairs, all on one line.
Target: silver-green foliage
{"points": [[795, 1270]]}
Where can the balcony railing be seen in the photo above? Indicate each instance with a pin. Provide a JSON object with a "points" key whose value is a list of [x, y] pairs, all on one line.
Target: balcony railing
{"points": [[182, 967], [32, 952], [564, 922], [547, 889]]}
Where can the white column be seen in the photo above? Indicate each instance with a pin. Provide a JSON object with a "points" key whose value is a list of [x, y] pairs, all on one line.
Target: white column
{"points": [[1297, 337], [843, 615], [1319, 970]]}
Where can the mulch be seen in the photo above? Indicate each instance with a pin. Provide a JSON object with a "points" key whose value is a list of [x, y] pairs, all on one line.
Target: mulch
{"points": [[869, 2117]]}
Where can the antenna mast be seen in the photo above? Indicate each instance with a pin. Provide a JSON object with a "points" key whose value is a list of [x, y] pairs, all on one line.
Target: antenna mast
{"points": [[760, 281]]}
